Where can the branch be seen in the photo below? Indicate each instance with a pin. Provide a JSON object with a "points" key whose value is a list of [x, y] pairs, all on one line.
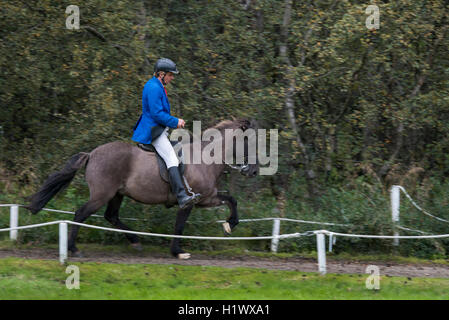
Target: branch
{"points": [[429, 62], [95, 32], [100, 36]]}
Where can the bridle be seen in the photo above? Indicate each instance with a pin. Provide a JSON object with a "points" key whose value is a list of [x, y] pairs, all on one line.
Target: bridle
{"points": [[239, 167]]}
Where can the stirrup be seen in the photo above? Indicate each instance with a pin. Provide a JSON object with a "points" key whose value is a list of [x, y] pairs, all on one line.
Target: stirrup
{"points": [[189, 190], [194, 199]]}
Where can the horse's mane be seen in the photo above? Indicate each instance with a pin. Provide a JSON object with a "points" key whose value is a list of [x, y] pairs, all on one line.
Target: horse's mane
{"points": [[232, 124]]}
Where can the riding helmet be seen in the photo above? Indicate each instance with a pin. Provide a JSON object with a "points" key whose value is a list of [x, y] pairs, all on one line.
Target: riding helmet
{"points": [[165, 65]]}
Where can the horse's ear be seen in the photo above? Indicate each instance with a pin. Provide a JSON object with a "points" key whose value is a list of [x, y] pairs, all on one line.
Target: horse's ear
{"points": [[245, 124], [249, 123], [253, 123]]}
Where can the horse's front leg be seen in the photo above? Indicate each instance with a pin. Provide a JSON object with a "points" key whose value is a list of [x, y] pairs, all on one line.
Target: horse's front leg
{"points": [[183, 215], [233, 219]]}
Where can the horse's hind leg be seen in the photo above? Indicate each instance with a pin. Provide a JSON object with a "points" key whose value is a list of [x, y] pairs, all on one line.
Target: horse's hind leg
{"points": [[111, 214], [81, 215], [181, 218]]}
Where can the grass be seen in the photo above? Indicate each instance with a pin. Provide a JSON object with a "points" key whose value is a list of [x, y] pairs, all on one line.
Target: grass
{"points": [[43, 279]]}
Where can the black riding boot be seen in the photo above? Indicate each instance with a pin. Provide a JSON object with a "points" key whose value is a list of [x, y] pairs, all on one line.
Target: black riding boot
{"points": [[178, 190]]}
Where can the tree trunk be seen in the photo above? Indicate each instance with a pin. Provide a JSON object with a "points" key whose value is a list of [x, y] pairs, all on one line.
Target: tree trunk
{"points": [[289, 103]]}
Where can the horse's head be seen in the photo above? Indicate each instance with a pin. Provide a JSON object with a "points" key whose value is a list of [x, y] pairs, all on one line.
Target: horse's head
{"points": [[250, 165], [241, 155]]}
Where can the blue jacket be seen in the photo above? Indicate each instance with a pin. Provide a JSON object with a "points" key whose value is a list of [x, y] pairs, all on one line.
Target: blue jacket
{"points": [[155, 113]]}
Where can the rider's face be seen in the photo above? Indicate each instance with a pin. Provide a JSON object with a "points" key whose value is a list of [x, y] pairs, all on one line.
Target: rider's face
{"points": [[169, 76]]}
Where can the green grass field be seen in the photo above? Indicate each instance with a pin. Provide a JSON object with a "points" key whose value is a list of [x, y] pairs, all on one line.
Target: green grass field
{"points": [[44, 279]]}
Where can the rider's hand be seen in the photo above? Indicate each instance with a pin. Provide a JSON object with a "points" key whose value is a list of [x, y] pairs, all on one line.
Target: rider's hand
{"points": [[181, 123]]}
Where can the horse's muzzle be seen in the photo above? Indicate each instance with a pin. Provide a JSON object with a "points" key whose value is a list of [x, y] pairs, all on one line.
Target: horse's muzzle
{"points": [[248, 171]]}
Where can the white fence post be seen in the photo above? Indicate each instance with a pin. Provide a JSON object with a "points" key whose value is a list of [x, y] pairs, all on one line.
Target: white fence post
{"points": [[275, 240], [395, 201], [332, 240], [13, 221], [321, 248], [62, 242]]}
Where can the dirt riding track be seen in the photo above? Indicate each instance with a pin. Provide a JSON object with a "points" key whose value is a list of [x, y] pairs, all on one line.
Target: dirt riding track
{"points": [[294, 264]]}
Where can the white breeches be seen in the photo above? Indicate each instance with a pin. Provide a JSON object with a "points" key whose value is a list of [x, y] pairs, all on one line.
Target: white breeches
{"points": [[165, 149]]}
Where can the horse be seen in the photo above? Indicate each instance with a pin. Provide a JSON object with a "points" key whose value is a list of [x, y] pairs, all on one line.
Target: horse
{"points": [[118, 169]]}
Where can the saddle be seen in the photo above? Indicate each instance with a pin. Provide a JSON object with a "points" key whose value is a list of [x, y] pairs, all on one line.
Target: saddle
{"points": [[163, 171]]}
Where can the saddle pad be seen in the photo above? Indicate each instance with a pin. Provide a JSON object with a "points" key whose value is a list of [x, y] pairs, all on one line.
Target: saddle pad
{"points": [[161, 163]]}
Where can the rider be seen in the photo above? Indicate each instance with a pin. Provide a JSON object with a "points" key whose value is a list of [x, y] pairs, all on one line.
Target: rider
{"points": [[152, 126]]}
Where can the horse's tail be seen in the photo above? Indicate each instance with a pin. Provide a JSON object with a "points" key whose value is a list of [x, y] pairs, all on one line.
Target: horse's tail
{"points": [[57, 182]]}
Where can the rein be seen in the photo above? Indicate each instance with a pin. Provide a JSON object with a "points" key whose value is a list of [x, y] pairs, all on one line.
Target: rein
{"points": [[239, 167]]}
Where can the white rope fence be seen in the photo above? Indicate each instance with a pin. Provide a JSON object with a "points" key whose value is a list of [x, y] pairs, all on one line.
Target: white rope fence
{"points": [[14, 222], [419, 208], [282, 236], [320, 236], [275, 237], [412, 230], [321, 245], [293, 220], [63, 234], [395, 204], [219, 221]]}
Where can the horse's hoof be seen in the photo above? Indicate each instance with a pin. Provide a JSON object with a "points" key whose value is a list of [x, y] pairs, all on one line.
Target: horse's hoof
{"points": [[227, 229], [137, 246], [183, 256]]}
